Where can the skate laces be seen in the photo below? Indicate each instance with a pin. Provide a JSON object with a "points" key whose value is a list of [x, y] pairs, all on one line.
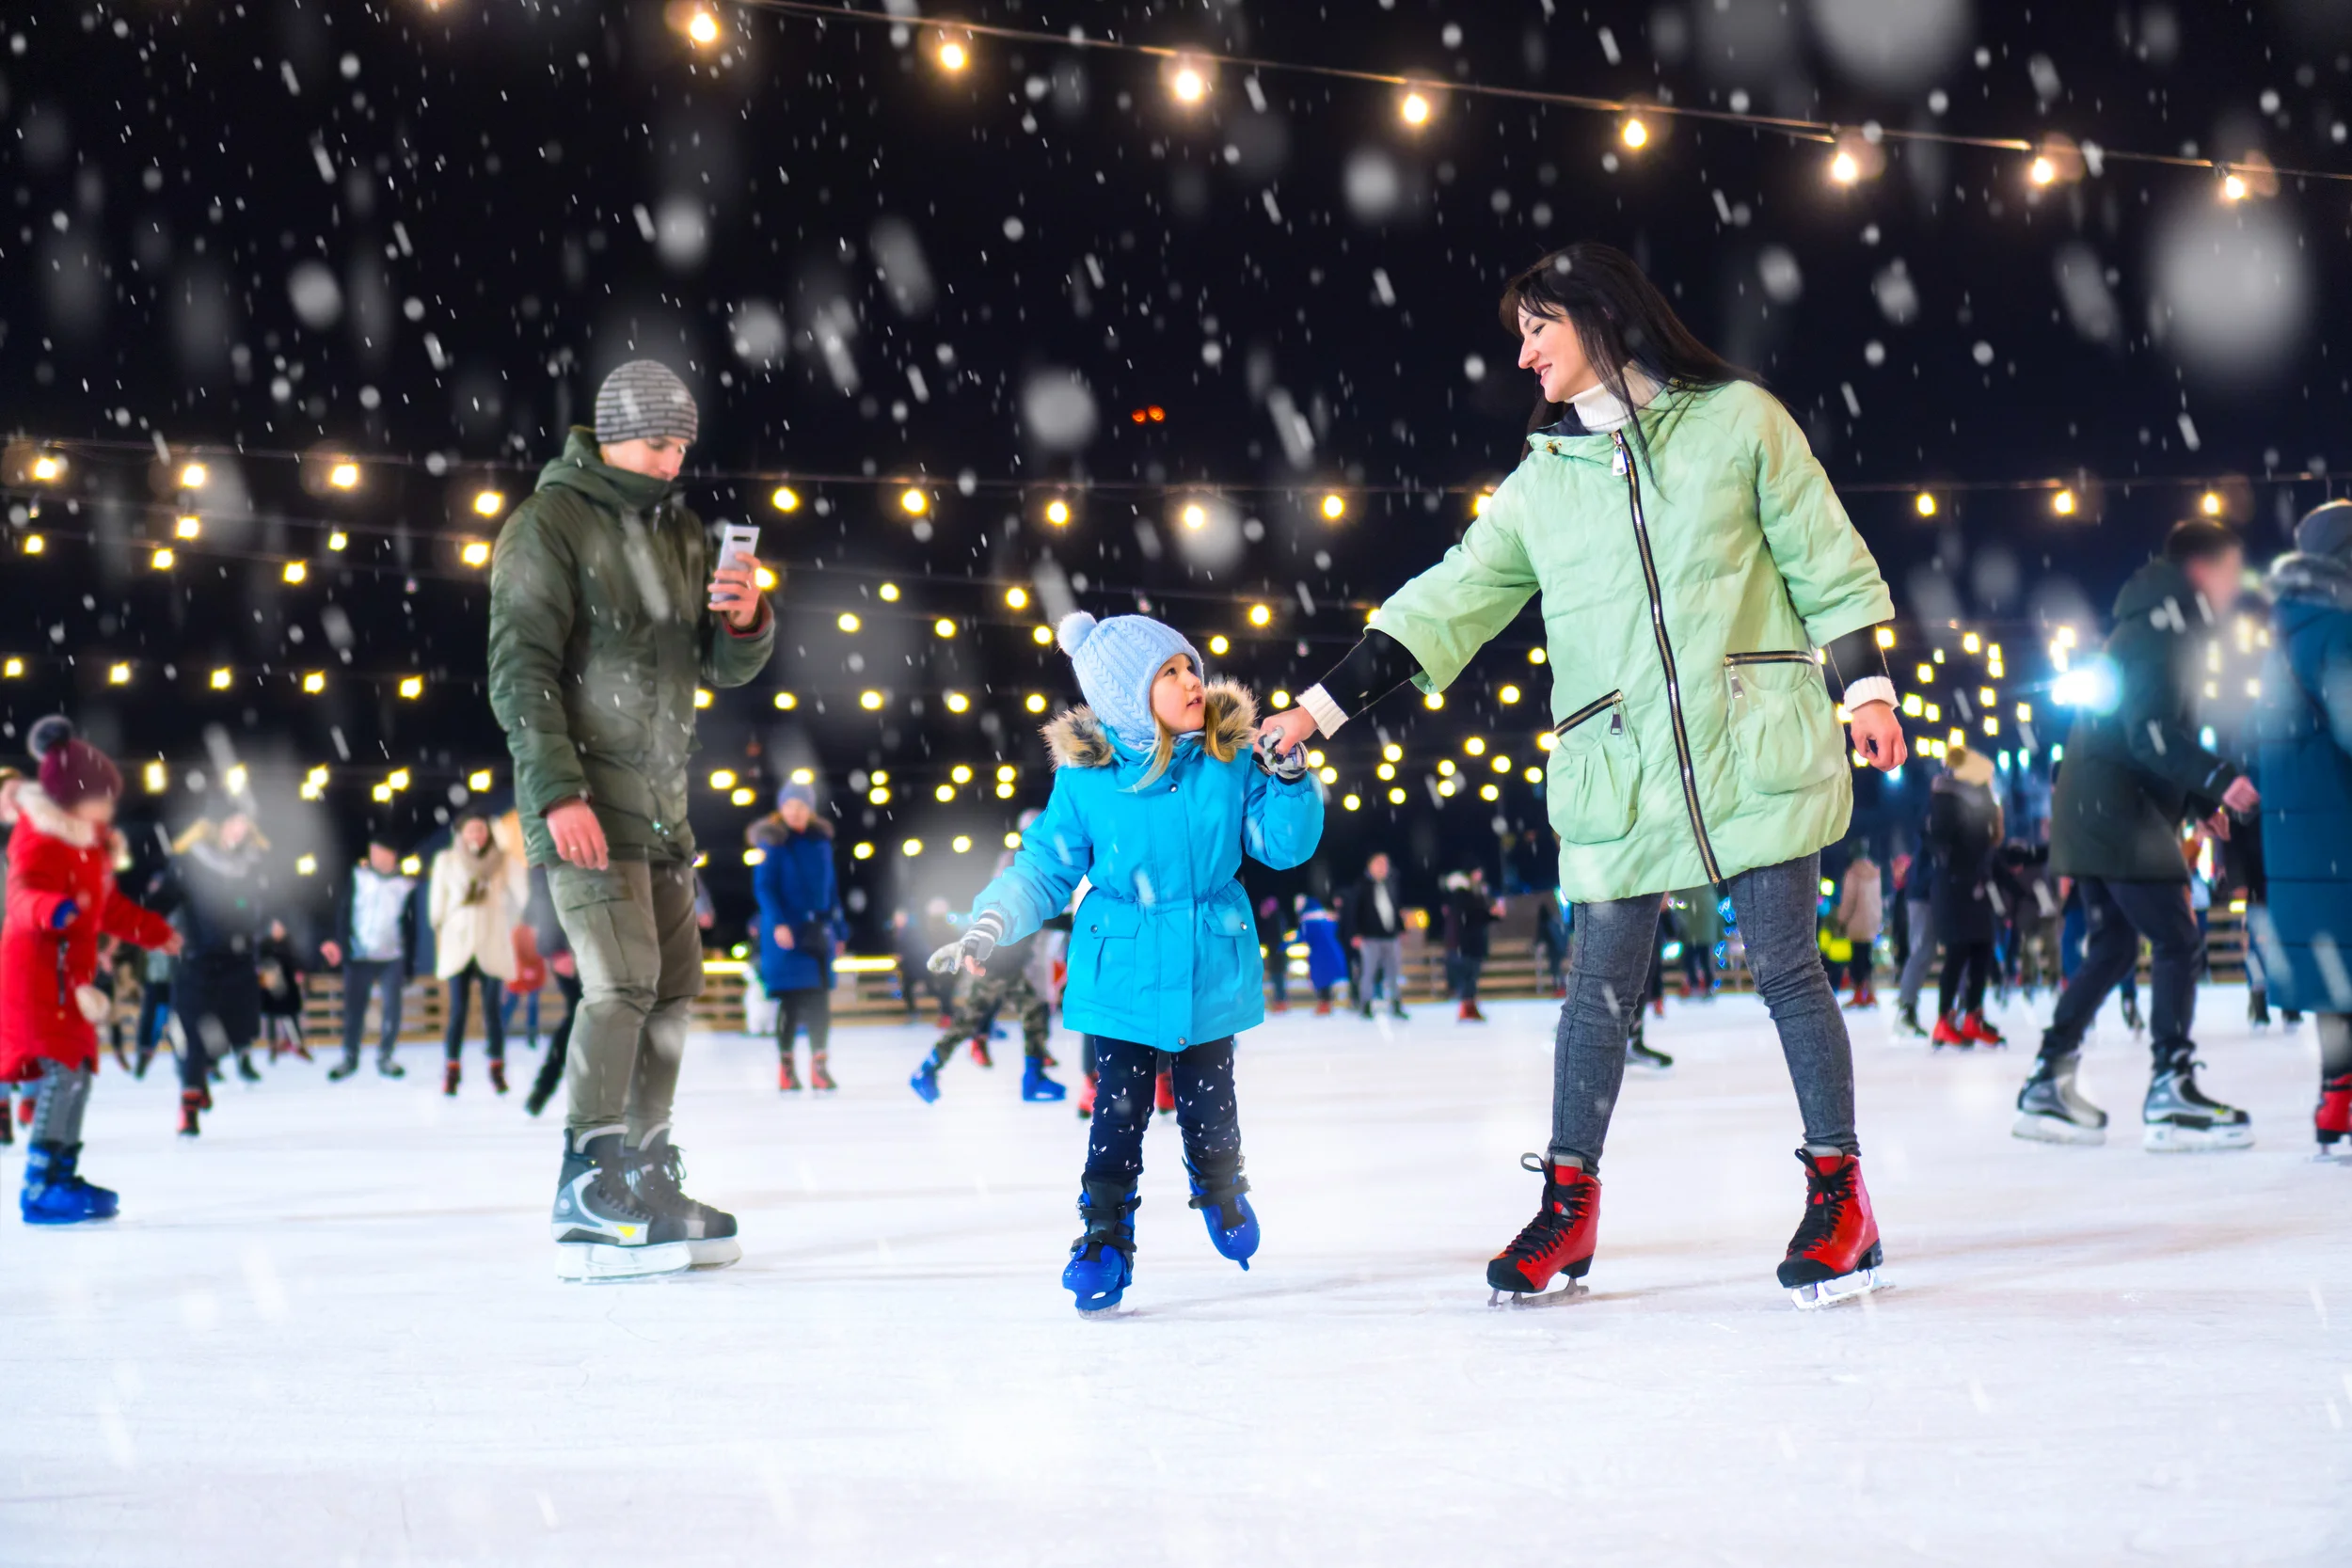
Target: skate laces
{"points": [[1554, 1220], [1825, 1204]]}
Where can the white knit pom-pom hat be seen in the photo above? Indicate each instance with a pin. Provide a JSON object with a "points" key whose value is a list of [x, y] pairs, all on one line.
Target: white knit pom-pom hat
{"points": [[1116, 659]]}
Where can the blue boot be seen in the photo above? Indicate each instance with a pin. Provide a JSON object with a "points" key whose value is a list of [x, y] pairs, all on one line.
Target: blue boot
{"points": [[925, 1082], [1036, 1085], [1218, 1189], [49, 1195], [1103, 1262], [101, 1201]]}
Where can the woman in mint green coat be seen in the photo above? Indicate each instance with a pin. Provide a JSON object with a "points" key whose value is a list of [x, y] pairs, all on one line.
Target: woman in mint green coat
{"points": [[1701, 588]]}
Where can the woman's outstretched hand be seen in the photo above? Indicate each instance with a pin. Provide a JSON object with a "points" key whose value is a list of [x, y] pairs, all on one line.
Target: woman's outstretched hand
{"points": [[1878, 736], [1289, 729]]}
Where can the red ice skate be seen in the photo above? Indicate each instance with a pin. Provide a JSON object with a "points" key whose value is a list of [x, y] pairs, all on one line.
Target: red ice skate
{"points": [[787, 1077], [820, 1077], [449, 1076], [979, 1051], [1085, 1098], [191, 1103], [1558, 1241], [1981, 1033], [1323, 1007], [498, 1073], [1469, 1013], [2333, 1119], [1949, 1032], [1835, 1255], [1164, 1092]]}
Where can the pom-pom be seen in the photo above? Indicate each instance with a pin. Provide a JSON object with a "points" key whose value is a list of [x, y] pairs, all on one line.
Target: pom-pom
{"points": [[1076, 627], [47, 735]]}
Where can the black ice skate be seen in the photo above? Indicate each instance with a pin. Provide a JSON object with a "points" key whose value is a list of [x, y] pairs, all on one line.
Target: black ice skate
{"points": [[603, 1229], [1639, 1052], [655, 1174], [2177, 1118], [2049, 1111]]}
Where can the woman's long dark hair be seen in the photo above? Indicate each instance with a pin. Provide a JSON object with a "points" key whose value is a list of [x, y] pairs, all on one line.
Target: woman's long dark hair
{"points": [[1620, 320]]}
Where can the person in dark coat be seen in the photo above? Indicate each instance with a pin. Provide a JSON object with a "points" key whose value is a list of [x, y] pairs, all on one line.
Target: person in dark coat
{"points": [[283, 966], [1964, 830], [555, 951], [223, 894], [1372, 918], [2304, 726], [1469, 909], [794, 882], [2133, 772]]}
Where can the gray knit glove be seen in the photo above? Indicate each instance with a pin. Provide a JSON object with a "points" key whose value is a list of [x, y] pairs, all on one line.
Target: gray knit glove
{"points": [[1289, 769], [977, 941]]}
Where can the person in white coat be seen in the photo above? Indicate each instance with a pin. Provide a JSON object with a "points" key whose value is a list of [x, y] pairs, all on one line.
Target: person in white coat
{"points": [[478, 892]]}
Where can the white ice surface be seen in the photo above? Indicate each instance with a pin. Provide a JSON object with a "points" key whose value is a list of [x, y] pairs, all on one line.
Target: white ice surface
{"points": [[329, 1332]]}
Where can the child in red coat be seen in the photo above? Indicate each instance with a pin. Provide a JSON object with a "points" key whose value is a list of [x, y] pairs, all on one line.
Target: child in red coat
{"points": [[61, 900]]}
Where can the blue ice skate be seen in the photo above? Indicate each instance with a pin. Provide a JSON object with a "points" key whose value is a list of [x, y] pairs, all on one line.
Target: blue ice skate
{"points": [[1103, 1262], [925, 1082], [1036, 1085], [1217, 1191], [54, 1194]]}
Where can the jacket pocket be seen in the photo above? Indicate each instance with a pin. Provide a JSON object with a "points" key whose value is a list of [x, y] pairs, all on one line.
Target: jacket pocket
{"points": [[1784, 728], [1103, 941], [1595, 774]]}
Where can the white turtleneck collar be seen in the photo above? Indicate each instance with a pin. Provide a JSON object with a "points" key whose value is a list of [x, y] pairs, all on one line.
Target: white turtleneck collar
{"points": [[1597, 409]]}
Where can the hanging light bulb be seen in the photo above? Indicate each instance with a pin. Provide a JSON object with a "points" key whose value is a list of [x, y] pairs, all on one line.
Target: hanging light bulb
{"points": [[1634, 133], [1924, 503], [1413, 108], [953, 55]]}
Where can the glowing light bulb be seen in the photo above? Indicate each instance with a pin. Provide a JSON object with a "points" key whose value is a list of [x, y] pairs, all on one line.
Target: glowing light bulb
{"points": [[411, 686], [702, 28], [476, 553], [953, 55], [1635, 134], [1844, 169], [869, 701], [295, 572], [848, 621], [1194, 514], [943, 627], [337, 540], [187, 528], [913, 502], [1261, 615], [1058, 512], [2233, 188], [1017, 597], [221, 679], [193, 477], [1924, 505], [161, 561], [2210, 504], [785, 700], [343, 476], [958, 702], [1334, 508], [1218, 644], [2063, 503], [785, 499], [887, 593], [1188, 84], [1414, 108], [48, 468], [487, 504], [2041, 171]]}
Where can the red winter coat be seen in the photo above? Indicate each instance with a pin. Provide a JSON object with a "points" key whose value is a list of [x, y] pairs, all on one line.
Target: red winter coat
{"points": [[55, 856]]}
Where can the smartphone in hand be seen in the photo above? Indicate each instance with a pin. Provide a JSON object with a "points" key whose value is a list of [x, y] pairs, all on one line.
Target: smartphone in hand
{"points": [[736, 542]]}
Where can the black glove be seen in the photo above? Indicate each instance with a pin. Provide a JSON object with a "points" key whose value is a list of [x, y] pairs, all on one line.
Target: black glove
{"points": [[1290, 768], [974, 946]]}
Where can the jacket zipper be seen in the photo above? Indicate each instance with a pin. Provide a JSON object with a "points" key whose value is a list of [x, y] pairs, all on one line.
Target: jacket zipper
{"points": [[1590, 710], [1733, 661], [1627, 466]]}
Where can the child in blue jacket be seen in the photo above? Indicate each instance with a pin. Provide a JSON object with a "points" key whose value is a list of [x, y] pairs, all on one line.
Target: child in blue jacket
{"points": [[1156, 792]]}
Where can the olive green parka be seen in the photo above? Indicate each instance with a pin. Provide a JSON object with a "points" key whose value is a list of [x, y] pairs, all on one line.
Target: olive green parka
{"points": [[601, 630], [1685, 592]]}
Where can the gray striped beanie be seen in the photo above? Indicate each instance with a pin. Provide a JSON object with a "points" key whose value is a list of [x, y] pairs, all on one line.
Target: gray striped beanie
{"points": [[643, 400]]}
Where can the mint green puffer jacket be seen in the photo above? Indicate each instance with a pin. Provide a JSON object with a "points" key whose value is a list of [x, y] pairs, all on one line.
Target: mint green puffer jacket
{"points": [[1683, 599]]}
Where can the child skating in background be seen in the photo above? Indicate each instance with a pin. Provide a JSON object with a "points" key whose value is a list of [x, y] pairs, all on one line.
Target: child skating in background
{"points": [[61, 898], [1156, 794]]}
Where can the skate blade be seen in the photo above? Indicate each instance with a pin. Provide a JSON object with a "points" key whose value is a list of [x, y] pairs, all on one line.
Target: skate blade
{"points": [[591, 1261], [2164, 1138], [1830, 1293], [1505, 1300], [716, 1253], [2055, 1129]]}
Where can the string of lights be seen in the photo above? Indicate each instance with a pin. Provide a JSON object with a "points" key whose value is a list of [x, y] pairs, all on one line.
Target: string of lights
{"points": [[1189, 75]]}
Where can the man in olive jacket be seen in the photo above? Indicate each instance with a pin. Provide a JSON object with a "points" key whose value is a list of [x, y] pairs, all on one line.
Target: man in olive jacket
{"points": [[604, 616], [2134, 771]]}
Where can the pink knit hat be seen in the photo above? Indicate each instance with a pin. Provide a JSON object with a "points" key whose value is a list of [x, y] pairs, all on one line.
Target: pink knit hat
{"points": [[72, 770]]}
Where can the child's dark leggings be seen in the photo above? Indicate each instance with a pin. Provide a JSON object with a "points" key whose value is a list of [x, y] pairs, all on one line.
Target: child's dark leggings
{"points": [[1206, 1112]]}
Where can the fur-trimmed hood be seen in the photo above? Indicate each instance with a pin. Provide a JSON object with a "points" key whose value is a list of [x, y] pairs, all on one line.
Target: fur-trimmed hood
{"points": [[2320, 580], [1077, 738], [36, 809], [770, 830]]}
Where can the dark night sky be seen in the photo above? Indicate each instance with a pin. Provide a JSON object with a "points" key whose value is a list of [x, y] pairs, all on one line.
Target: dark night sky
{"points": [[419, 231]]}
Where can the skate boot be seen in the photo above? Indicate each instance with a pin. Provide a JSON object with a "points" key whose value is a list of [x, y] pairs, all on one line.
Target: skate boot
{"points": [[387, 1068], [656, 1173], [820, 1076], [8, 1120], [1948, 1030], [245, 1068], [2049, 1111], [2258, 1008], [1907, 1023], [1469, 1013], [52, 1196], [1164, 1091], [101, 1202], [603, 1229], [979, 1051], [2177, 1116], [1835, 1255], [342, 1070], [449, 1076], [542, 1090], [1558, 1241], [1085, 1099], [1639, 1054], [925, 1082], [498, 1073], [2333, 1119], [1323, 1007], [1979, 1032], [1396, 1010], [191, 1103], [1102, 1260], [145, 1060], [787, 1075], [2130, 1005], [1219, 1190], [1035, 1084]]}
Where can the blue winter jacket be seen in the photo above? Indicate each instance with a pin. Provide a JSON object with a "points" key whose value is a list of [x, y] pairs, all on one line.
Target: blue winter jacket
{"points": [[1163, 951], [1327, 959], [794, 884], [2305, 728]]}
